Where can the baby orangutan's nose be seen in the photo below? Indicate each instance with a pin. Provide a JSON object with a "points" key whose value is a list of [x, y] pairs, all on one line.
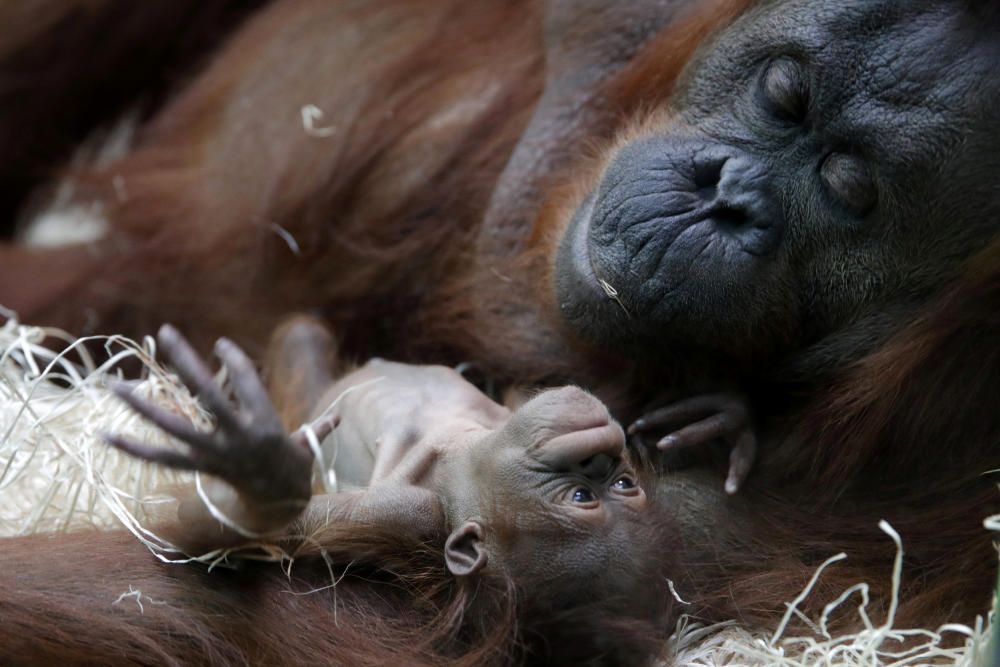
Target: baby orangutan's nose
{"points": [[570, 426]]}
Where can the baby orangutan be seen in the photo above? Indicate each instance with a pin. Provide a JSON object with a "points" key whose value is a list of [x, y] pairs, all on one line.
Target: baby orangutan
{"points": [[539, 505]]}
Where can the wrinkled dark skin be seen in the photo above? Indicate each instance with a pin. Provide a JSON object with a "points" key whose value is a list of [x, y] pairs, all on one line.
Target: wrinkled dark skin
{"points": [[787, 194]]}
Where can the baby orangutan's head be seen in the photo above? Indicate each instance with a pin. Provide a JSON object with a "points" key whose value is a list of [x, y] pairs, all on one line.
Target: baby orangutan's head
{"points": [[553, 504]]}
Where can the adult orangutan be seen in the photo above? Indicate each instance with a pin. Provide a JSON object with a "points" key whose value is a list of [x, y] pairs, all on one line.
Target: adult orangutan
{"points": [[672, 203]]}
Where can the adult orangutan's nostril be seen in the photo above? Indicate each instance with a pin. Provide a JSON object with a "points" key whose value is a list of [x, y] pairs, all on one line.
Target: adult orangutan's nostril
{"points": [[731, 219], [707, 174]]}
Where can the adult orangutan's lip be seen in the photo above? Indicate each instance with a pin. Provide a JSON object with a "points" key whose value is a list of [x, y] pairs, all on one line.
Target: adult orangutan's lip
{"points": [[580, 249]]}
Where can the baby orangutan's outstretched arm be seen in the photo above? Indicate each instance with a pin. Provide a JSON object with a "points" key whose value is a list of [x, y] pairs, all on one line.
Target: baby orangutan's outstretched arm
{"points": [[261, 478]]}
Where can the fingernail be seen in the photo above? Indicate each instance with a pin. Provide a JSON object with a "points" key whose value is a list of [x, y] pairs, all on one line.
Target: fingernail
{"points": [[732, 486], [667, 442]]}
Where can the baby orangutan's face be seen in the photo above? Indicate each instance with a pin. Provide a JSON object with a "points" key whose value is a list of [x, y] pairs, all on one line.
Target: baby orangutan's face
{"points": [[564, 450], [556, 492]]}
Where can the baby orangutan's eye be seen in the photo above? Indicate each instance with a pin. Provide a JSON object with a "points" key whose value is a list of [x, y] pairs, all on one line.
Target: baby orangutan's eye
{"points": [[582, 495], [623, 483]]}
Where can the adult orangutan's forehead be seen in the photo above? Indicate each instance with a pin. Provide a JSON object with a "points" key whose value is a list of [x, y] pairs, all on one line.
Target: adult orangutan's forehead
{"points": [[908, 55]]}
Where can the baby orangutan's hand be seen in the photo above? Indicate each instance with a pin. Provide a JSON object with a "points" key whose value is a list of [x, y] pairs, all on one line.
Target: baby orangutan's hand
{"points": [[703, 419], [248, 448]]}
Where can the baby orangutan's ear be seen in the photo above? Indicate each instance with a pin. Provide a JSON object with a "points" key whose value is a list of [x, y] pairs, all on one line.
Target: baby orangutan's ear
{"points": [[464, 552]]}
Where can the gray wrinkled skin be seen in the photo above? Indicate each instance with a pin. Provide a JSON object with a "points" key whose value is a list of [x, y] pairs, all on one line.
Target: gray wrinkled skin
{"points": [[758, 219]]}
